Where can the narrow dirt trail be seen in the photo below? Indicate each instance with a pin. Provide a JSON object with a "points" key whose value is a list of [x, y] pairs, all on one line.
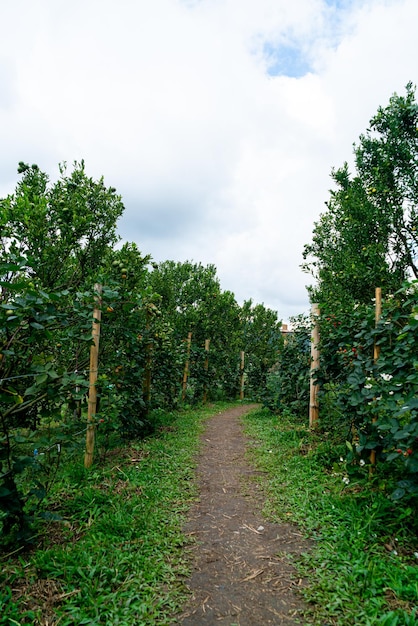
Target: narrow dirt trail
{"points": [[241, 574]]}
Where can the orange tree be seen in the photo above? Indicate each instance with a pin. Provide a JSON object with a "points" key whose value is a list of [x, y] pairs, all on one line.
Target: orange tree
{"points": [[368, 238], [54, 240], [63, 229], [287, 381], [191, 300], [261, 341], [371, 402], [35, 383]]}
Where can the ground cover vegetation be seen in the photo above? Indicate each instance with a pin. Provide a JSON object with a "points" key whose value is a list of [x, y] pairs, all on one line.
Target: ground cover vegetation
{"points": [[362, 568], [116, 552]]}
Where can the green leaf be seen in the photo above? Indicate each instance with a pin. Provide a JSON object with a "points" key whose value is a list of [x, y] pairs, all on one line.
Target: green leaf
{"points": [[412, 464], [393, 456], [37, 326], [398, 493], [30, 391], [411, 404], [41, 379]]}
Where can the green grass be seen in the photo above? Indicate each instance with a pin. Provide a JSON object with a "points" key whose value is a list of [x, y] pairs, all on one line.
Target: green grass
{"points": [[119, 556], [363, 567]]}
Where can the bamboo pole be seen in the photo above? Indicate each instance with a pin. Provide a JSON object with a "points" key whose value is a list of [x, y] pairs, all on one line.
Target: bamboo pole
{"points": [[186, 366], [206, 368], [94, 360], [241, 377], [376, 354], [313, 391]]}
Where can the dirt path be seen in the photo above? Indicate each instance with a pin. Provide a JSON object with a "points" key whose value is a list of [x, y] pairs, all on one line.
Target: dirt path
{"points": [[241, 573]]}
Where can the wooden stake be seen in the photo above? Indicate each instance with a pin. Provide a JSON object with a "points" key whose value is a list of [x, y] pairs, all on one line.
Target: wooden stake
{"points": [[377, 316], [284, 331], [148, 362], [241, 377], [94, 360], [206, 368], [376, 354], [186, 366], [313, 394]]}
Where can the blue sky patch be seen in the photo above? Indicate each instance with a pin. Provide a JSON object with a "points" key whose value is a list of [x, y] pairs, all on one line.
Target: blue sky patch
{"points": [[339, 4], [286, 60]]}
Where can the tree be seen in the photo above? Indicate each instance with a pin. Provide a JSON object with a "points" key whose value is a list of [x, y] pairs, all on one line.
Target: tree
{"points": [[261, 340], [387, 162], [192, 301], [368, 235], [65, 226]]}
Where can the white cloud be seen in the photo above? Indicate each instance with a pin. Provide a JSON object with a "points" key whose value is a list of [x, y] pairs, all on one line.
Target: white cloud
{"points": [[172, 101]]}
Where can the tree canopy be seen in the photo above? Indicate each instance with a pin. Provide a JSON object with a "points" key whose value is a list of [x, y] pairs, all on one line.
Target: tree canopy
{"points": [[367, 237], [64, 228]]}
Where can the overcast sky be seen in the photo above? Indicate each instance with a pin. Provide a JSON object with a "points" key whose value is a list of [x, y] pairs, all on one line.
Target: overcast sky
{"points": [[218, 121]]}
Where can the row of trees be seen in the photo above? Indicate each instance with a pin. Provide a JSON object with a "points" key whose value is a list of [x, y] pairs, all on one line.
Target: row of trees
{"points": [[57, 241], [366, 238]]}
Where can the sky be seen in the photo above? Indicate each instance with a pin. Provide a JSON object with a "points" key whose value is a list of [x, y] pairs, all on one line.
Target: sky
{"points": [[218, 121]]}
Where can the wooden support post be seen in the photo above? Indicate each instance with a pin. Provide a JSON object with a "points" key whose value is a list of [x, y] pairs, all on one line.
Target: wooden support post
{"points": [[377, 316], [206, 368], [186, 366], [284, 331], [313, 395], [146, 388], [94, 360], [376, 354], [241, 375]]}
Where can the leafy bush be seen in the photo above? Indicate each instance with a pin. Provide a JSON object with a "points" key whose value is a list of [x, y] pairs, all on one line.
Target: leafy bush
{"points": [[287, 384], [375, 399]]}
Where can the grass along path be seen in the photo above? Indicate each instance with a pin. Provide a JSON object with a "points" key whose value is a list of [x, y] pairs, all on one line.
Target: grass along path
{"points": [[364, 569], [118, 557]]}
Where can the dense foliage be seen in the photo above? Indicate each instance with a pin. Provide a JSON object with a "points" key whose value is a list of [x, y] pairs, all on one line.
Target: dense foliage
{"points": [[287, 382], [58, 242], [171, 336], [368, 235], [372, 402], [368, 373]]}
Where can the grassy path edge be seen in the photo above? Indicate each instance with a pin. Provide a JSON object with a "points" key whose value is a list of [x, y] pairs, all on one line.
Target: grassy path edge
{"points": [[119, 555], [364, 568]]}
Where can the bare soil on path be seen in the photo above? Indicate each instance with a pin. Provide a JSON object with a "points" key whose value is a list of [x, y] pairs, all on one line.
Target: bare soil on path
{"points": [[242, 574]]}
